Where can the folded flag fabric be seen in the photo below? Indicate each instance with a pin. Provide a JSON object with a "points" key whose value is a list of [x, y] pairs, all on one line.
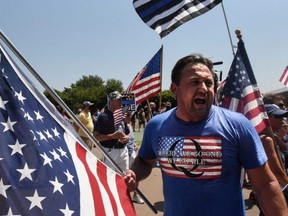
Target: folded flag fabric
{"points": [[45, 169]]}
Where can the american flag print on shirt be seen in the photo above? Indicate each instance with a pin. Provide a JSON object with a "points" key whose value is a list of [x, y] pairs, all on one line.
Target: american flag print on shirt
{"points": [[191, 157], [44, 167]]}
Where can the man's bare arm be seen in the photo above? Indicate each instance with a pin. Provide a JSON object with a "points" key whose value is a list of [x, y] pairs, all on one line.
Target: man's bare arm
{"points": [[268, 191]]}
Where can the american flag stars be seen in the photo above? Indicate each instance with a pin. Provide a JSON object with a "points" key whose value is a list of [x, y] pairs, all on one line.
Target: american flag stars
{"points": [[23, 123]]}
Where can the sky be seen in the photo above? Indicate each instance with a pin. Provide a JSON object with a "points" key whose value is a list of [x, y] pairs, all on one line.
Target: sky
{"points": [[64, 40]]}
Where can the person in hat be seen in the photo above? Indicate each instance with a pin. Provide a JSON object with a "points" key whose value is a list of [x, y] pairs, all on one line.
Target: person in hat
{"points": [[86, 119], [272, 142], [276, 117], [113, 133]]}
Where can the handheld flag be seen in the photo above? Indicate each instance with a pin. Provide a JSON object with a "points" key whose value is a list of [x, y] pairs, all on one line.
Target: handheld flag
{"points": [[45, 169], [165, 16], [284, 77], [148, 82], [241, 93]]}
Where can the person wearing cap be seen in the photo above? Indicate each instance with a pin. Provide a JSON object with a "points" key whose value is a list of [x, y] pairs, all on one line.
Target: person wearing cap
{"points": [[86, 119], [113, 133], [276, 116], [271, 141]]}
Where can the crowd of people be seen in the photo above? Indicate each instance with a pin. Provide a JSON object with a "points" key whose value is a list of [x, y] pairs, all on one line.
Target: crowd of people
{"points": [[201, 148]]}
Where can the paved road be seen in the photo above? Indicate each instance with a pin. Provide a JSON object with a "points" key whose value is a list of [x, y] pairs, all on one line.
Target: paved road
{"points": [[152, 189]]}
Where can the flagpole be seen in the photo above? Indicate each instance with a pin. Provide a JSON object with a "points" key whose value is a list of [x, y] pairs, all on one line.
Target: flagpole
{"points": [[227, 26], [68, 111], [161, 66]]}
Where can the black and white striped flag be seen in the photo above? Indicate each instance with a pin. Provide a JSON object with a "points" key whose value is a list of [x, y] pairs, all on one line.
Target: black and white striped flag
{"points": [[166, 15]]}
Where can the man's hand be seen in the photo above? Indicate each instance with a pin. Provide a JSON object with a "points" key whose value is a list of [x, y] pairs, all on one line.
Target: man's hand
{"points": [[124, 139], [130, 179]]}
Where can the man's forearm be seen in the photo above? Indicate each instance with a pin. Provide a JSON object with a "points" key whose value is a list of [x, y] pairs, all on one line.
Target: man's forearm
{"points": [[272, 201], [142, 168]]}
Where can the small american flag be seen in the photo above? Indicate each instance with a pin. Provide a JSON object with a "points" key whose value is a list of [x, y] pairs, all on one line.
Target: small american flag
{"points": [[118, 117], [148, 82], [284, 77], [44, 167], [191, 157], [166, 16], [241, 93]]}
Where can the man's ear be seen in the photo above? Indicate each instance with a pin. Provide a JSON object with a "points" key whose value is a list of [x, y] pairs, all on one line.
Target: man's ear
{"points": [[173, 88]]}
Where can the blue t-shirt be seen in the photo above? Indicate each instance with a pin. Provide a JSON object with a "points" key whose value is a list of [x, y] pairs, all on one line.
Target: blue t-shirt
{"points": [[201, 162]]}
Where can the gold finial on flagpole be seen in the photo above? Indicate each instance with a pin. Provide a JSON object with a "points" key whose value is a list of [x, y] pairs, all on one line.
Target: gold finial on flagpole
{"points": [[238, 34]]}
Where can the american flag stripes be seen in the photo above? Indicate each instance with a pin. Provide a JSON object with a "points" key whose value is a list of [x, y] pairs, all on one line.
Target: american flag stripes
{"points": [[118, 117], [44, 167], [284, 77], [166, 15], [241, 93], [148, 82]]}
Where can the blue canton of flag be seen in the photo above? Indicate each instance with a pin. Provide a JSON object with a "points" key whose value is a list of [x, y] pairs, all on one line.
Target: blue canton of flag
{"points": [[43, 168], [31, 146], [165, 143]]}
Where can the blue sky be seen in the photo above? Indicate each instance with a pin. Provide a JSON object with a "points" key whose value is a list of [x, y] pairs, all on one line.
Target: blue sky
{"points": [[64, 40]]}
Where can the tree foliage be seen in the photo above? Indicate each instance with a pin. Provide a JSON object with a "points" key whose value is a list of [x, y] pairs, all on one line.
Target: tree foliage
{"points": [[88, 88], [95, 89]]}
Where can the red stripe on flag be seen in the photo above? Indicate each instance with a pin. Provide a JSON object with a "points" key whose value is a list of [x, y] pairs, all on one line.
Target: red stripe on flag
{"points": [[122, 191], [129, 207], [146, 83], [98, 200], [284, 77]]}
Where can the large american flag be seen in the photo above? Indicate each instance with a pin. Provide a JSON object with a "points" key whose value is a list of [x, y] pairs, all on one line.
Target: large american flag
{"points": [[241, 93], [191, 157], [284, 77], [148, 82], [166, 15], [45, 169]]}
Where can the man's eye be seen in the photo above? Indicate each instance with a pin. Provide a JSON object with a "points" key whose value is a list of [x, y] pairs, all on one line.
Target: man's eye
{"points": [[209, 84], [194, 83]]}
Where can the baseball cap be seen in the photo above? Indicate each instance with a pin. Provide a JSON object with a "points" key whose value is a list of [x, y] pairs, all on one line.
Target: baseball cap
{"points": [[273, 109], [115, 95], [87, 103]]}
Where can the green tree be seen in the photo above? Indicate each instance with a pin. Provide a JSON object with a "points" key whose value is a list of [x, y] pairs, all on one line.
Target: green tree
{"points": [[92, 88], [114, 85]]}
